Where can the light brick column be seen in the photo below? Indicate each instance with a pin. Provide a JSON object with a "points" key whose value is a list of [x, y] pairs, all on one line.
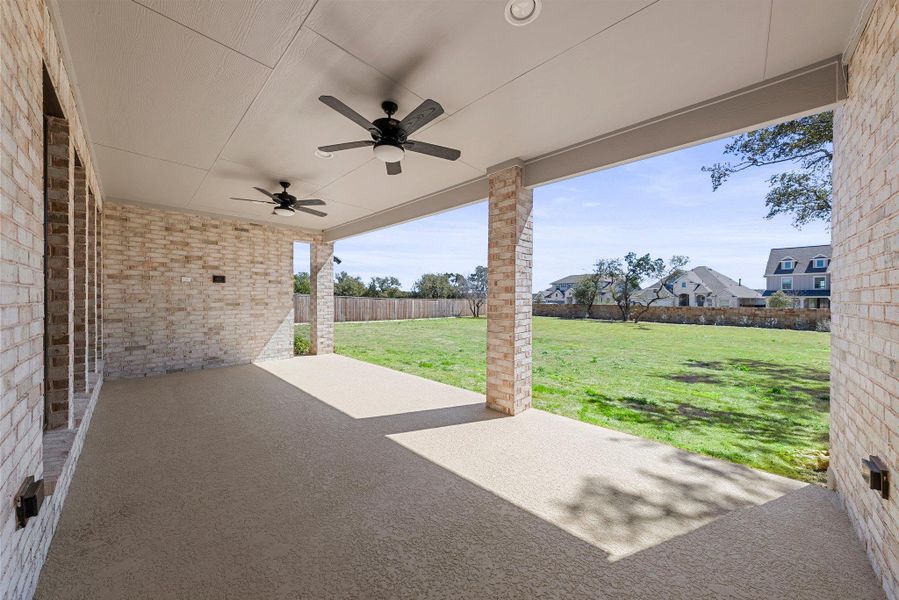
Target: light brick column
{"points": [[99, 286], [509, 263], [59, 274], [864, 356], [91, 300], [79, 302], [321, 297]]}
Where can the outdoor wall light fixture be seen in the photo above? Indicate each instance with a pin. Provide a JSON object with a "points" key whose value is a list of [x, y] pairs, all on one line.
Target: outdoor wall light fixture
{"points": [[522, 12], [29, 499], [877, 475]]}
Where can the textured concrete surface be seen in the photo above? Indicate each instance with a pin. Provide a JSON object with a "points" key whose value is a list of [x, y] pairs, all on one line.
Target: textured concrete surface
{"points": [[324, 477]]}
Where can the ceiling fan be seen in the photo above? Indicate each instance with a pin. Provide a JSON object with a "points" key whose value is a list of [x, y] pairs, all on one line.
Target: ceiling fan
{"points": [[390, 137], [285, 204]]}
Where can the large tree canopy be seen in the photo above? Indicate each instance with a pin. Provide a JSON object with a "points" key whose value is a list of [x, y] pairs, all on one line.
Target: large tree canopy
{"points": [[347, 285], [301, 283], [803, 192], [439, 285], [384, 287]]}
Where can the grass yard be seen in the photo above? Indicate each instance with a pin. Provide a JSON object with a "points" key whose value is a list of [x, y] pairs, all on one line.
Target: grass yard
{"points": [[754, 396]]}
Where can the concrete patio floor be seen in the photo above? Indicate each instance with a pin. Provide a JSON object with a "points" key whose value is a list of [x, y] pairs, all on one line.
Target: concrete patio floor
{"points": [[325, 477]]}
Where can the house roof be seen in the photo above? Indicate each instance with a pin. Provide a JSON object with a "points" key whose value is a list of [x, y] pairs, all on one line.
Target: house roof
{"points": [[709, 281], [229, 93], [720, 284], [569, 279], [803, 255]]}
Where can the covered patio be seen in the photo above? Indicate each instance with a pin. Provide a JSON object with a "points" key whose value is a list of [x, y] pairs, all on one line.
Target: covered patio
{"points": [[146, 308], [325, 477]]}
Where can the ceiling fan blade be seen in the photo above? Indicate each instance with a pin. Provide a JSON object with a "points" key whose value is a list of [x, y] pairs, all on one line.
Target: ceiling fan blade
{"points": [[394, 168], [311, 211], [432, 150], [262, 191], [346, 146], [310, 202], [256, 201], [426, 112], [349, 113]]}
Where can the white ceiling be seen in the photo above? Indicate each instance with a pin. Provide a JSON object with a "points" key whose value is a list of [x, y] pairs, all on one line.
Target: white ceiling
{"points": [[190, 102]]}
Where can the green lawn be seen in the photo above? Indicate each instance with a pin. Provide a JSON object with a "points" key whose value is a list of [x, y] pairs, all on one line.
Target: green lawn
{"points": [[754, 396]]}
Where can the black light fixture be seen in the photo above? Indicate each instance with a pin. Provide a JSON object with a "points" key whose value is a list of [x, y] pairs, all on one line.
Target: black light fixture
{"points": [[877, 475], [28, 501]]}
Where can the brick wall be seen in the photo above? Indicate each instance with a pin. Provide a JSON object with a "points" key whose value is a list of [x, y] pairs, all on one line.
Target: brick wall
{"points": [[780, 318], [27, 42], [865, 289], [155, 322]]}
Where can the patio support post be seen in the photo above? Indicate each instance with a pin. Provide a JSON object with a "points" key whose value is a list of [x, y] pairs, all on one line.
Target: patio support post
{"points": [[90, 301], [509, 264], [60, 282], [321, 304], [79, 329]]}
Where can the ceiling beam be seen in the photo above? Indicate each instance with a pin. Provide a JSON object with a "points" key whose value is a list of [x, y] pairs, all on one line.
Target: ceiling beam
{"points": [[805, 91]]}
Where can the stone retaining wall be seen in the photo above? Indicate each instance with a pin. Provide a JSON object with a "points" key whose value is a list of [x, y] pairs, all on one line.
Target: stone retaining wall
{"points": [[774, 318]]}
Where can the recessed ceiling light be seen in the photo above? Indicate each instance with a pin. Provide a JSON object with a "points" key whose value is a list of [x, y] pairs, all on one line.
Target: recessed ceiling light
{"points": [[324, 155], [522, 12]]}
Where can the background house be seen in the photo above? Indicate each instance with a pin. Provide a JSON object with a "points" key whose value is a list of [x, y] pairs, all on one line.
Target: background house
{"points": [[802, 272], [561, 291], [703, 286]]}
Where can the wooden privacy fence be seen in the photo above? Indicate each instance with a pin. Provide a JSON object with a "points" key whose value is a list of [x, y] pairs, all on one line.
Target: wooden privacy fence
{"points": [[348, 308]]}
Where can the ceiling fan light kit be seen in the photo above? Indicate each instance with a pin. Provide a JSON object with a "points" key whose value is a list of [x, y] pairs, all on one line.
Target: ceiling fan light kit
{"points": [[287, 205], [390, 137], [389, 153]]}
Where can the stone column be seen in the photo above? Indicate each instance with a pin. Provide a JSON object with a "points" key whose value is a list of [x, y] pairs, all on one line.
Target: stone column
{"points": [[321, 297], [79, 301], [91, 300], [60, 284], [509, 263]]}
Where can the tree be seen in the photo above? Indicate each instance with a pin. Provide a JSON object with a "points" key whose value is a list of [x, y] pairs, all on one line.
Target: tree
{"points": [[586, 290], [347, 285], [439, 285], [807, 143], [779, 300], [625, 277], [301, 283], [384, 287], [476, 290], [539, 299]]}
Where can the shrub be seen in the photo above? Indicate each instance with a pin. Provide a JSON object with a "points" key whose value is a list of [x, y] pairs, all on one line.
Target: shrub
{"points": [[300, 344]]}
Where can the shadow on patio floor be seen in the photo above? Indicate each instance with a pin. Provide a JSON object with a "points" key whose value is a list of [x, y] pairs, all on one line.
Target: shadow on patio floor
{"points": [[240, 483]]}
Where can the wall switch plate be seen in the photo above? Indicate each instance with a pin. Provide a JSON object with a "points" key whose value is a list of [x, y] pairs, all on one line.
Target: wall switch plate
{"points": [[186, 279]]}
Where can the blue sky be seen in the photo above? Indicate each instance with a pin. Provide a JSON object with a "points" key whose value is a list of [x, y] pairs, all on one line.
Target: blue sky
{"points": [[662, 205]]}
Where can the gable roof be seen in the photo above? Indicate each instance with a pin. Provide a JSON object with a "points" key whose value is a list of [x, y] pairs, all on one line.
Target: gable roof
{"points": [[569, 279], [709, 281], [721, 285], [803, 255]]}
